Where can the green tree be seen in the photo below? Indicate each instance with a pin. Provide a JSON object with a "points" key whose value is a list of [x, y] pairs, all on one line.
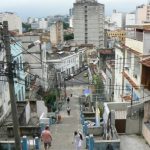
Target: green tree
{"points": [[98, 83], [26, 27], [65, 25], [50, 99], [68, 36]]}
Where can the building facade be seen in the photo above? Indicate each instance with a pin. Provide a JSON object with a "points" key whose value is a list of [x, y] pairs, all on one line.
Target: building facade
{"points": [[14, 21], [143, 13], [118, 35], [88, 20], [130, 19], [56, 33], [119, 19], [128, 69]]}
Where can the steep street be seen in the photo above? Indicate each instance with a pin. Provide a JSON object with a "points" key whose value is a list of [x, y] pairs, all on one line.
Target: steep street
{"points": [[63, 133]]}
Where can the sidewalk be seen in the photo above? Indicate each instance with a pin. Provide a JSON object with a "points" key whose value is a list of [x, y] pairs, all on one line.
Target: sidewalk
{"points": [[63, 133]]}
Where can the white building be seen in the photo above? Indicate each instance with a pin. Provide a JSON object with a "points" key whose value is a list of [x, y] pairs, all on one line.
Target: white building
{"points": [[39, 24], [109, 25], [118, 18], [56, 33], [118, 73], [67, 62], [130, 19], [14, 21], [143, 13], [43, 24], [128, 69], [30, 20], [88, 20], [36, 59]]}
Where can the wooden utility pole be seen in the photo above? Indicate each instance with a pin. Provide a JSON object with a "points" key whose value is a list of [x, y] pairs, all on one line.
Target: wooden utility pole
{"points": [[9, 60]]}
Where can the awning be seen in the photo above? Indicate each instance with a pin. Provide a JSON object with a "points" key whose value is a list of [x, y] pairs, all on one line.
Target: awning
{"points": [[130, 80]]}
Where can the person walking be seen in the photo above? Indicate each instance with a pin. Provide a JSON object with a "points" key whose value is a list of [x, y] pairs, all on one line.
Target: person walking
{"points": [[78, 140], [68, 100], [68, 110], [46, 137]]}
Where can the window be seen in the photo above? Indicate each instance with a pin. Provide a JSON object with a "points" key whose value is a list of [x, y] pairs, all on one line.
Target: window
{"points": [[22, 94]]}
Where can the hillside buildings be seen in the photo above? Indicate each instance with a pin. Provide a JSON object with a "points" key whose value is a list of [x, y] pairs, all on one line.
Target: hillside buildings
{"points": [[88, 20]]}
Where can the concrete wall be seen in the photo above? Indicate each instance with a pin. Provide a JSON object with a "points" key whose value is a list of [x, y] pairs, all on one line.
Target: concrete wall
{"points": [[146, 133], [118, 106], [146, 43], [103, 145], [28, 111], [41, 108], [118, 74], [134, 119], [96, 131]]}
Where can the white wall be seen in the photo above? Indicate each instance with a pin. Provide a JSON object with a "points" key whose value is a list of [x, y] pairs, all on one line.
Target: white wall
{"points": [[41, 108], [14, 21], [118, 19], [130, 19], [141, 13], [146, 49], [28, 111], [118, 75]]}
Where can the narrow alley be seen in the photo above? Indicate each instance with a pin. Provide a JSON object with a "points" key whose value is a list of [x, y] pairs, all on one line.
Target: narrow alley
{"points": [[62, 133]]}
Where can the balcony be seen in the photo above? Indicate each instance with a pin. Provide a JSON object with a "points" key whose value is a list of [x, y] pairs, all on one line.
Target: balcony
{"points": [[134, 44]]}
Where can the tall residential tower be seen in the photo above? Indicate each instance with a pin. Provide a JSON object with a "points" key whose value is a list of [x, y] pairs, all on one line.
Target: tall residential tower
{"points": [[88, 22]]}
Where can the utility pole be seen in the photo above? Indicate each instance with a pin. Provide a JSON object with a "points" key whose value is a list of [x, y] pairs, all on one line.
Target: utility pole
{"points": [[123, 73], [11, 86]]}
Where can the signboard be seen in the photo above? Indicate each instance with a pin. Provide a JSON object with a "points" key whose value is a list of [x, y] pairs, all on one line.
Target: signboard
{"points": [[86, 92]]}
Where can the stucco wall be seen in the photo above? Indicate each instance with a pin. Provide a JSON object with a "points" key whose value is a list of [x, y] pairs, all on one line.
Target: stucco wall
{"points": [[41, 108]]}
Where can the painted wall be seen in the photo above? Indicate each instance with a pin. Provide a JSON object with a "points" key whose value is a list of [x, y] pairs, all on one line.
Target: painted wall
{"points": [[19, 82]]}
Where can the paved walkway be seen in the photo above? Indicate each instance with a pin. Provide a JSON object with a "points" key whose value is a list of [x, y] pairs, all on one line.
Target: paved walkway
{"points": [[63, 133]]}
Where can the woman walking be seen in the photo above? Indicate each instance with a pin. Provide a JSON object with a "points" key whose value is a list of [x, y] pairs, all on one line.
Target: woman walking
{"points": [[78, 140]]}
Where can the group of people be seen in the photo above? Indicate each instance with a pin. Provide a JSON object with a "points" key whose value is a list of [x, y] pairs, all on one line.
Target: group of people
{"points": [[46, 137]]}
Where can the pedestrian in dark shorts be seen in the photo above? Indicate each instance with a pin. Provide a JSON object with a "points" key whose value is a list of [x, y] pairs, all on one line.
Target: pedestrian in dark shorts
{"points": [[46, 138], [68, 100]]}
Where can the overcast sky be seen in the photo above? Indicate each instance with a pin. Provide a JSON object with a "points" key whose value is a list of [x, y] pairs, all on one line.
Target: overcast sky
{"points": [[43, 8]]}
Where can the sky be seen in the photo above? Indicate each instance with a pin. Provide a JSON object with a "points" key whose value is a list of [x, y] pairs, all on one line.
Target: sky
{"points": [[44, 8]]}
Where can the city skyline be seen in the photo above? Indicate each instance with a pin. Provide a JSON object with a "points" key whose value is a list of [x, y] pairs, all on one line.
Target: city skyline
{"points": [[28, 8]]}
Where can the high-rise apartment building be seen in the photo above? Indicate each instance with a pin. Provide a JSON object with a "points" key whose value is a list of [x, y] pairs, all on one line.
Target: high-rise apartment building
{"points": [[56, 33], [130, 19], [88, 22], [119, 19], [143, 13]]}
